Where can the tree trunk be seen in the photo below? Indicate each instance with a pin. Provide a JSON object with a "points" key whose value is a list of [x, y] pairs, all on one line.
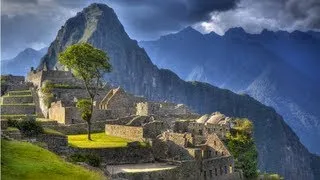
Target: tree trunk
{"points": [[89, 131], [89, 120]]}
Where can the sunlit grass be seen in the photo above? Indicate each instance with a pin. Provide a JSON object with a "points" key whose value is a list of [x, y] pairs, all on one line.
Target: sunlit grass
{"points": [[21, 160], [99, 140]]}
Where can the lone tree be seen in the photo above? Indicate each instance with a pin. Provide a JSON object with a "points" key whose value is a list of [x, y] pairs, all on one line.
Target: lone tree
{"points": [[88, 64]]}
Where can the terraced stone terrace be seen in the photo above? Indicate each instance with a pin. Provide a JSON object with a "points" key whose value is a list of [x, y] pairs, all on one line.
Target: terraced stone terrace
{"points": [[17, 104]]}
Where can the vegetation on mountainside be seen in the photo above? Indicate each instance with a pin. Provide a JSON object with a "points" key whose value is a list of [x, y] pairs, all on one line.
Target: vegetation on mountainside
{"points": [[46, 90], [99, 140], [241, 145], [22, 160], [88, 64]]}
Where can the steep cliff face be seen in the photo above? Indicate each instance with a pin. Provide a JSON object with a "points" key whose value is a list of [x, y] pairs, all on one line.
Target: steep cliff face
{"points": [[279, 148], [273, 67]]}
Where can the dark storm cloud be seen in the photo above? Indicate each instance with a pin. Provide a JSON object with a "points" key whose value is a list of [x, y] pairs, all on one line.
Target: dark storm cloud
{"points": [[256, 15], [34, 23]]}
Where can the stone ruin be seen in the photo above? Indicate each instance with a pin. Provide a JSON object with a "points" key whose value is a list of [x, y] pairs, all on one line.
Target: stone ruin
{"points": [[177, 136]]}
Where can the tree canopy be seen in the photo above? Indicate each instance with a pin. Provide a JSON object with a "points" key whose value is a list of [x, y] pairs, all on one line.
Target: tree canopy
{"points": [[88, 64], [241, 145]]}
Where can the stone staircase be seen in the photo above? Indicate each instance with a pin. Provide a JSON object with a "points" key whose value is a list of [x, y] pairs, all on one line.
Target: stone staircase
{"points": [[17, 104]]}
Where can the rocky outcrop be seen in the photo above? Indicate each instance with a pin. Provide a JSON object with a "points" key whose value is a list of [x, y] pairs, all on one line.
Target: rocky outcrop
{"points": [[279, 148]]}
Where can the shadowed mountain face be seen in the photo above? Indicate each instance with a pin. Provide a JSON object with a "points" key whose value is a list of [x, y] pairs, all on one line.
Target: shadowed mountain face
{"points": [[21, 64], [279, 148], [279, 69]]}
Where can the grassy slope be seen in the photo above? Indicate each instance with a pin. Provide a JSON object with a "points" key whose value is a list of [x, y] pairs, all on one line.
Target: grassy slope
{"points": [[99, 140], [21, 160]]}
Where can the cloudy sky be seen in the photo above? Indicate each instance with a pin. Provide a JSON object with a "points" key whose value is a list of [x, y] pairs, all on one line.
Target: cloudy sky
{"points": [[34, 23]]}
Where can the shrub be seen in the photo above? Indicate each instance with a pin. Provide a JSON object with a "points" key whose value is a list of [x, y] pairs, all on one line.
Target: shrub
{"points": [[30, 127], [13, 122], [91, 159], [77, 157], [48, 96]]}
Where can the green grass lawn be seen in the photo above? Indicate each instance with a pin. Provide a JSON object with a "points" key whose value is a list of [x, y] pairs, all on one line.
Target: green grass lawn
{"points": [[99, 140], [25, 161]]}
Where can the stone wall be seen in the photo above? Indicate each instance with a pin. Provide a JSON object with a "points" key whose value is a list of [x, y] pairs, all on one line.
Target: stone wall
{"points": [[129, 155], [57, 112], [215, 147], [80, 128], [4, 124], [220, 130], [217, 168], [58, 77], [16, 100], [13, 83], [181, 126], [162, 109], [196, 128], [35, 78], [18, 109], [55, 143], [71, 115], [127, 132], [153, 129], [119, 102]]}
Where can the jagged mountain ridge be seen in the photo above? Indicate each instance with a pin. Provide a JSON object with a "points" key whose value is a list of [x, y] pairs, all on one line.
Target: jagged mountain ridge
{"points": [[244, 62], [279, 151], [21, 64]]}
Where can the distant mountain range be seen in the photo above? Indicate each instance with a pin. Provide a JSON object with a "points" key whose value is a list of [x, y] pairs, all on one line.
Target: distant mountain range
{"points": [[21, 64], [279, 69], [279, 148]]}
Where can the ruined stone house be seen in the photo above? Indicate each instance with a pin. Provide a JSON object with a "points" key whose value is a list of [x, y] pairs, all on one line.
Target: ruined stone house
{"points": [[120, 103]]}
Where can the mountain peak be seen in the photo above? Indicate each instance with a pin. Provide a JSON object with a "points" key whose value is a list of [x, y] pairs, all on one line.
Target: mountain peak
{"points": [[235, 31]]}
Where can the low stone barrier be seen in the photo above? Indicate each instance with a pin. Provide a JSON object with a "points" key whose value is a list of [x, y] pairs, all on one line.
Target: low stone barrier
{"points": [[128, 132], [17, 100], [55, 143], [80, 128], [4, 124], [128, 155], [18, 109]]}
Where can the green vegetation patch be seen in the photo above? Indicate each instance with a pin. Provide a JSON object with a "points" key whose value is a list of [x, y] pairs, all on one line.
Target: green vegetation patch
{"points": [[241, 144], [99, 140], [65, 86], [21, 160], [12, 129], [13, 96], [53, 132]]}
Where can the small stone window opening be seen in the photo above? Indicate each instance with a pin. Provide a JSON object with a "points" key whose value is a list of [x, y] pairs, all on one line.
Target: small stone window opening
{"points": [[225, 170], [216, 153], [72, 121], [211, 173], [222, 153], [215, 143], [216, 171], [220, 129]]}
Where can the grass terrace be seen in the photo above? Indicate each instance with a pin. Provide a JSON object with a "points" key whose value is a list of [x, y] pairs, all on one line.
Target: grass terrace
{"points": [[22, 160], [99, 140]]}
